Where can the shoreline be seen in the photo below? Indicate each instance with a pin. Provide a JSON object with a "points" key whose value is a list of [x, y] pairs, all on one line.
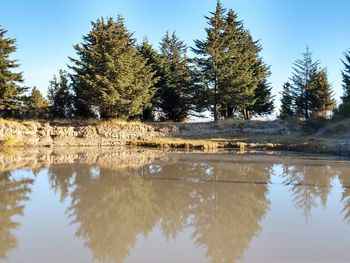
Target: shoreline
{"points": [[302, 146], [333, 139]]}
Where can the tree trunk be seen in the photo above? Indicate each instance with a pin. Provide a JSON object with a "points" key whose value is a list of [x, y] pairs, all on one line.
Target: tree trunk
{"points": [[246, 114], [229, 112], [216, 117]]}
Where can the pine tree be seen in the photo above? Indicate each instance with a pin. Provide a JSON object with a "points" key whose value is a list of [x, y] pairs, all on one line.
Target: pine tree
{"points": [[263, 100], [154, 61], [111, 76], [176, 92], [201, 94], [60, 96], [344, 107], [212, 52], [246, 73], [286, 102], [346, 77], [11, 95], [37, 105], [305, 70], [231, 65], [233, 84], [323, 102]]}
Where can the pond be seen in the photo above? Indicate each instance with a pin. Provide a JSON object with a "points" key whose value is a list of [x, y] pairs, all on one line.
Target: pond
{"points": [[125, 205]]}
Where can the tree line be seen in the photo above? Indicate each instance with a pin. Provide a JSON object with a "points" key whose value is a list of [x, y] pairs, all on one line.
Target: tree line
{"points": [[112, 76]]}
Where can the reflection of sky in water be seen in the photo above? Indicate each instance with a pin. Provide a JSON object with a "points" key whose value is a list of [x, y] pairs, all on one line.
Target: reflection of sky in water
{"points": [[288, 237], [45, 234], [303, 220]]}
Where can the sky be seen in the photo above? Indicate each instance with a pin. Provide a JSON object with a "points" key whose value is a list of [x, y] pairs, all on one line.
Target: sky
{"points": [[46, 30]]}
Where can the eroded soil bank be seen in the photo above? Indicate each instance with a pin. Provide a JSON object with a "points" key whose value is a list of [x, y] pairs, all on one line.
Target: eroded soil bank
{"points": [[333, 138]]}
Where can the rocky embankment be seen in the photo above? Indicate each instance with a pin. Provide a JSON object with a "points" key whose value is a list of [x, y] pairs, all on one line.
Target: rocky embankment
{"points": [[80, 134], [35, 133], [55, 133], [332, 138]]}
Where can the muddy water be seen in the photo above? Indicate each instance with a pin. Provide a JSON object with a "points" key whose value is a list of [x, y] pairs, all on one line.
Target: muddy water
{"points": [[145, 206]]}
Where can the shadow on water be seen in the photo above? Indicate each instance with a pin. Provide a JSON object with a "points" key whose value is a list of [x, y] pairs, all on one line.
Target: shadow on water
{"points": [[117, 195]]}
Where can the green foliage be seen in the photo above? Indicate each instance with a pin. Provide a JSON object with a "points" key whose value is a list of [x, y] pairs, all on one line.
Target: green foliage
{"points": [[36, 105], [10, 93], [286, 102], [344, 108], [305, 70], [346, 76], [323, 102], [212, 53], [232, 68], [263, 100], [177, 90], [311, 92], [245, 86], [60, 96], [111, 77], [154, 61]]}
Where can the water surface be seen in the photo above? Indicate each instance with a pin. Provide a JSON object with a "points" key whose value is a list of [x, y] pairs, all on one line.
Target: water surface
{"points": [[105, 205]]}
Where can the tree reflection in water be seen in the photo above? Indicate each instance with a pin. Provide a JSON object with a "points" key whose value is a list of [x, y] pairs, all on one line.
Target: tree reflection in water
{"points": [[13, 192], [344, 177], [113, 206], [221, 199], [309, 183]]}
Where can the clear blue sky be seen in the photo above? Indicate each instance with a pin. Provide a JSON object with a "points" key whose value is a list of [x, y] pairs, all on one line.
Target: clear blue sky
{"points": [[47, 29]]}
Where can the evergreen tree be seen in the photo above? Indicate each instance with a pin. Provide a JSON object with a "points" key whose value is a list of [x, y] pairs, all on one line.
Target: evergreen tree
{"points": [[245, 78], [11, 95], [286, 102], [305, 71], [60, 96], [154, 61], [232, 67], [323, 102], [212, 52], [37, 105], [177, 91], [311, 92], [346, 77], [111, 76], [263, 100], [344, 107], [201, 94]]}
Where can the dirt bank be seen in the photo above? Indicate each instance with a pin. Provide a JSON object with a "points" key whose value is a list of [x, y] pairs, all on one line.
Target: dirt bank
{"points": [[84, 133], [333, 138]]}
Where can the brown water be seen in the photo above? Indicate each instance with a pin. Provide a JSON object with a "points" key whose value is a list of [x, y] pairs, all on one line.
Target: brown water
{"points": [[147, 206]]}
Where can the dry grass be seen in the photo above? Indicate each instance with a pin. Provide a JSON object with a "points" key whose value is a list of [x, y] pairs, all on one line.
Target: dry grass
{"points": [[8, 121], [177, 143], [10, 141], [339, 129], [230, 122], [93, 122], [112, 122], [199, 144]]}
